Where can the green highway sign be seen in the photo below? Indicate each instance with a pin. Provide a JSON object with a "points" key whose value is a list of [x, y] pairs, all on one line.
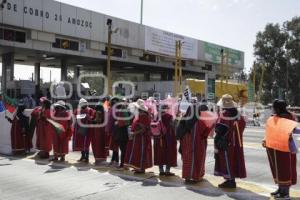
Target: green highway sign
{"points": [[212, 53]]}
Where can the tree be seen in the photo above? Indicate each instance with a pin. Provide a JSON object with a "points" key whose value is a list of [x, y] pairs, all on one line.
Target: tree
{"points": [[292, 28], [277, 50]]}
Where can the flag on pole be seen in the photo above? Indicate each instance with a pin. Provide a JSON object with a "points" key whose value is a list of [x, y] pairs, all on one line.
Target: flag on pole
{"points": [[57, 126], [187, 94], [9, 104], [186, 100]]}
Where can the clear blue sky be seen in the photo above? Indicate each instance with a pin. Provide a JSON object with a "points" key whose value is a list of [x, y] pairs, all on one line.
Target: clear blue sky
{"points": [[233, 23]]}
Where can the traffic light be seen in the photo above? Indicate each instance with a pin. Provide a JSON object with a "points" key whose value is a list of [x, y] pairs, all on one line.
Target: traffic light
{"points": [[65, 44]]}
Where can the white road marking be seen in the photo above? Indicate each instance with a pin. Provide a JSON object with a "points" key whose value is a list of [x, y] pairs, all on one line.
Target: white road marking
{"points": [[254, 131]]}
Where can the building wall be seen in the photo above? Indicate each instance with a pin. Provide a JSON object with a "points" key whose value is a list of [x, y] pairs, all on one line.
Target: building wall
{"points": [[48, 19]]}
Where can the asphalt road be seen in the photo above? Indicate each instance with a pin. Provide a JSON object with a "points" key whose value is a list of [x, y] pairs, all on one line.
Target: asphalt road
{"points": [[26, 180], [30, 180], [257, 164]]}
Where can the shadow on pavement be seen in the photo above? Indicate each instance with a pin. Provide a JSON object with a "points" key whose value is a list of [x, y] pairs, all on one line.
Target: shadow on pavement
{"points": [[207, 189], [57, 168], [6, 164]]}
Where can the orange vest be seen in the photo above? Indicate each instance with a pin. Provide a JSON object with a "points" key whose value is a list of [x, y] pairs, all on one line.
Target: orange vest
{"points": [[278, 132]]}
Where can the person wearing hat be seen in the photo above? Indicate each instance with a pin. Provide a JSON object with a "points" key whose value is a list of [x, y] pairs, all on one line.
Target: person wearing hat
{"points": [[139, 149], [61, 137], [165, 144], [229, 151], [42, 128], [82, 133], [281, 149], [20, 138], [98, 139], [33, 120], [111, 131]]}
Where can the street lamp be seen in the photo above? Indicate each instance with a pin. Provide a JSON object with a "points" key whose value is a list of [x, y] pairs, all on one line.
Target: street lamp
{"points": [[142, 11]]}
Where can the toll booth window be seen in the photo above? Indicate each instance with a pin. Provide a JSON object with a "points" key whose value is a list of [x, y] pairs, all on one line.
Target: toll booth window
{"points": [[74, 46], [207, 67], [148, 58], [66, 44], [12, 35], [20, 37], [9, 35], [1, 34], [183, 63], [115, 52], [56, 44]]}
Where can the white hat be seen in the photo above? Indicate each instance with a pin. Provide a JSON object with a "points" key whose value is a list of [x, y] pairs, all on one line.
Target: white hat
{"points": [[61, 104], [227, 102], [82, 102], [140, 104], [151, 99]]}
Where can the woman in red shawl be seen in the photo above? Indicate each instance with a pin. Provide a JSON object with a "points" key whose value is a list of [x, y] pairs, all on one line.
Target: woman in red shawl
{"points": [[20, 137], [44, 132], [139, 148], [165, 145], [229, 151], [283, 164], [193, 143], [98, 136], [61, 139]]}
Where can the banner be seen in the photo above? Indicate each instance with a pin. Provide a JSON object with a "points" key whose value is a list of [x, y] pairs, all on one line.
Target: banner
{"points": [[212, 53], [164, 42]]}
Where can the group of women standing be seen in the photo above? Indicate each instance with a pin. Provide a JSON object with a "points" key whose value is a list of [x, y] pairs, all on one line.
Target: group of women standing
{"points": [[115, 126]]}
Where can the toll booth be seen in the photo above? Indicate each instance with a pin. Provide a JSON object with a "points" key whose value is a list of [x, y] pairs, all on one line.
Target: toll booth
{"points": [[20, 88]]}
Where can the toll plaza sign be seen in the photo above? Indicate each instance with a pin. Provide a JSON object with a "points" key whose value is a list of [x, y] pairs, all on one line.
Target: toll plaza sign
{"points": [[212, 53], [164, 42], [53, 17]]}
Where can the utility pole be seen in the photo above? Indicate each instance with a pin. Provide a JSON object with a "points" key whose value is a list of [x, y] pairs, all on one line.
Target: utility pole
{"points": [[261, 81], [287, 79], [254, 80], [142, 11], [227, 68], [178, 69], [108, 67]]}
